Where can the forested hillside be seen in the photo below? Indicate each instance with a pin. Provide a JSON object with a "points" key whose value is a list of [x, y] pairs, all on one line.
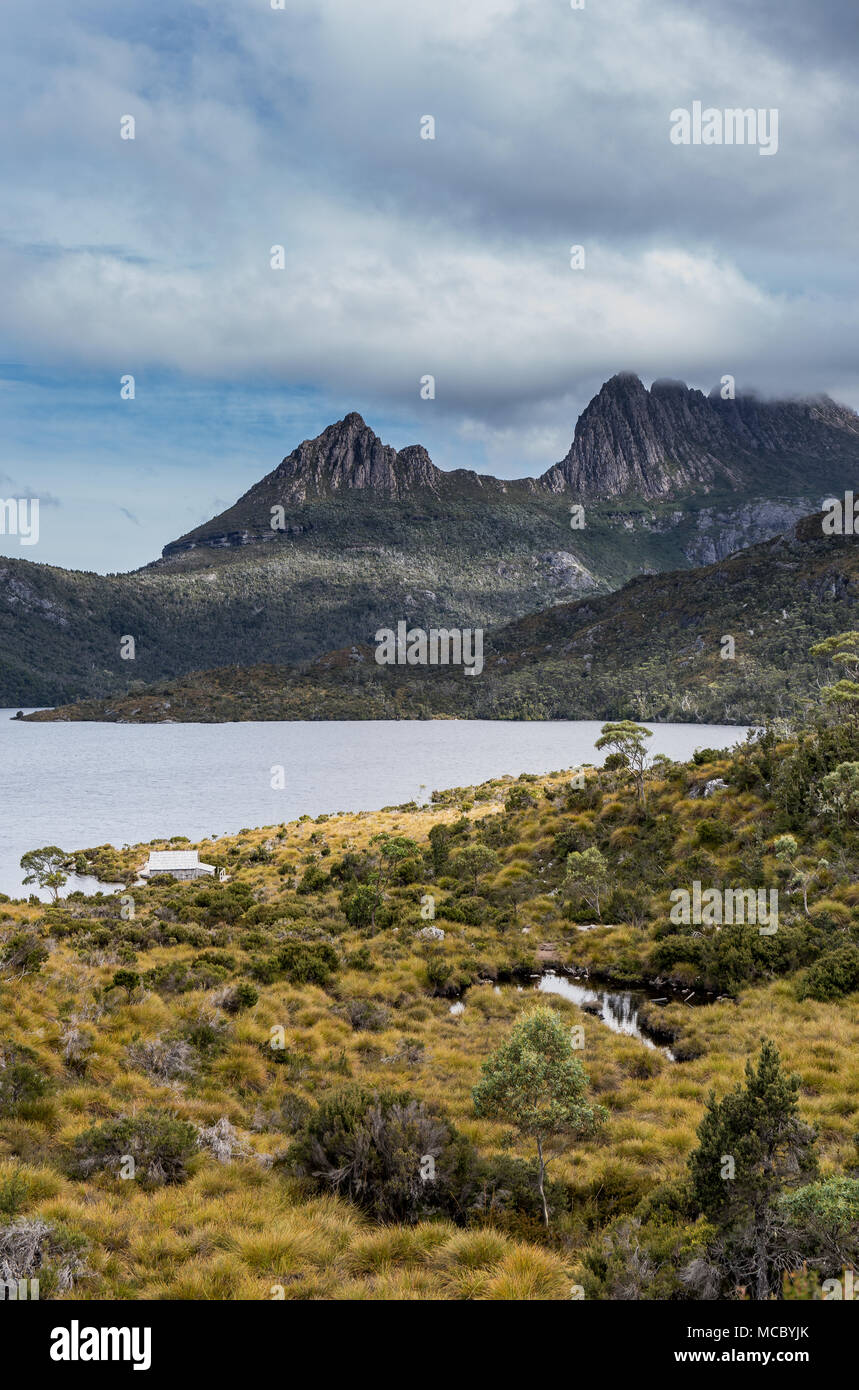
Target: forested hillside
{"points": [[653, 650]]}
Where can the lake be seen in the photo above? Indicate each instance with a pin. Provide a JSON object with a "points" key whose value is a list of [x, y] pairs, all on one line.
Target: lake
{"points": [[77, 785]]}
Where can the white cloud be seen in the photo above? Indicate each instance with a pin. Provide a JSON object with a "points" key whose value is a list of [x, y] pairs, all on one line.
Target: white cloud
{"points": [[405, 257]]}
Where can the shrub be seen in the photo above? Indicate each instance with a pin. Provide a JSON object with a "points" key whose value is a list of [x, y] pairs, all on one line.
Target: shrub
{"points": [[313, 879], [471, 911], [408, 870], [301, 962], [14, 1191], [35, 1249], [179, 977], [222, 960], [829, 913], [347, 869], [160, 1145], [222, 1141], [687, 1049], [395, 1157], [365, 1015], [614, 762], [77, 1043], [822, 1223], [163, 1060], [438, 969], [519, 799], [207, 1035], [20, 1080], [360, 959], [833, 976], [23, 953], [264, 970], [358, 906], [297, 1065], [440, 837], [629, 905], [706, 755], [237, 997], [222, 904], [654, 1259], [506, 1187], [713, 832], [125, 979], [295, 1111]]}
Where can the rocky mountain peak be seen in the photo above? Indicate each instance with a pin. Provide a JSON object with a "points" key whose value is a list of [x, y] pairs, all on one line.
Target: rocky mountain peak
{"points": [[348, 454], [673, 439]]}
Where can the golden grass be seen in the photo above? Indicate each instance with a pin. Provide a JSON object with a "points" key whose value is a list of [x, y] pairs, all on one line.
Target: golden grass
{"points": [[244, 1231]]}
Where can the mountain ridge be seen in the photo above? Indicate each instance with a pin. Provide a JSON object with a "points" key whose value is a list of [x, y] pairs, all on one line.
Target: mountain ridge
{"points": [[365, 534], [662, 444]]}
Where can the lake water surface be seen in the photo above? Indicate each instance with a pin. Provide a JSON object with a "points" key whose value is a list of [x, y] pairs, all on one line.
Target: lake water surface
{"points": [[77, 784]]}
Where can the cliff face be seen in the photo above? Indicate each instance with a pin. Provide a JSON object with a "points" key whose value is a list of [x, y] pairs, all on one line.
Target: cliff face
{"points": [[346, 460], [349, 455], [671, 440]]}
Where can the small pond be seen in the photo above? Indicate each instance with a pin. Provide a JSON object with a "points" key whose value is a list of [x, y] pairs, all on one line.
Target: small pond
{"points": [[617, 1009]]}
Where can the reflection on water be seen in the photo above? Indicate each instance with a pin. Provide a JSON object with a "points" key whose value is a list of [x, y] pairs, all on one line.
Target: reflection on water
{"points": [[617, 1011]]}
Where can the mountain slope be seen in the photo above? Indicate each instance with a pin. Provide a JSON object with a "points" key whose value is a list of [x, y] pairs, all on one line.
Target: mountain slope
{"points": [[652, 650]]}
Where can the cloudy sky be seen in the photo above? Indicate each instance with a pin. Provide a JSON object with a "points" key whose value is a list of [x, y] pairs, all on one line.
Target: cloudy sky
{"points": [[301, 127]]}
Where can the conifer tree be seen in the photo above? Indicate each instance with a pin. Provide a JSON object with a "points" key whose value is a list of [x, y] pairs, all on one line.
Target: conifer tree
{"points": [[752, 1145]]}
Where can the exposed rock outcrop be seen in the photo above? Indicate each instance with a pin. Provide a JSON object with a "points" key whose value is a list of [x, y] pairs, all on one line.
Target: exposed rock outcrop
{"points": [[673, 439], [349, 455]]}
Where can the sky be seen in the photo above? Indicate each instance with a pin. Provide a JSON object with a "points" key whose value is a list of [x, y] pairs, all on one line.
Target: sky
{"points": [[404, 257]]}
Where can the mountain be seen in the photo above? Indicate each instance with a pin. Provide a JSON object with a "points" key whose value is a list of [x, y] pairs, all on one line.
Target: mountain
{"points": [[672, 439], [667, 444], [346, 458], [652, 650], [365, 535]]}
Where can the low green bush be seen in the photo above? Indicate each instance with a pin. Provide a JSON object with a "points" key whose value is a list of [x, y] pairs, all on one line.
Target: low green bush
{"points": [[160, 1146], [21, 1081], [833, 976]]}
